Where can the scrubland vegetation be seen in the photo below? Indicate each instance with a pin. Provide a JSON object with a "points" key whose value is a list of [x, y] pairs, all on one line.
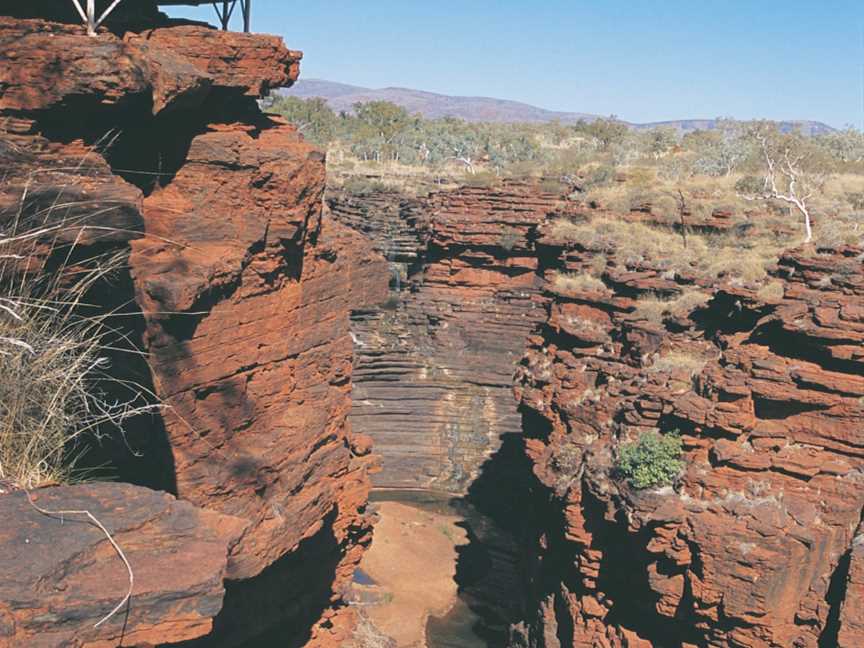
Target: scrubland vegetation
{"points": [[717, 204], [604, 157]]}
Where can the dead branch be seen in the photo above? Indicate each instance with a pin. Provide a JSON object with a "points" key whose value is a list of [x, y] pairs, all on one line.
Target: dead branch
{"points": [[94, 520]]}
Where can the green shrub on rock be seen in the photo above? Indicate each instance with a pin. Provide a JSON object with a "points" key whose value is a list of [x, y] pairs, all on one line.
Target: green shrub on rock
{"points": [[652, 461]]}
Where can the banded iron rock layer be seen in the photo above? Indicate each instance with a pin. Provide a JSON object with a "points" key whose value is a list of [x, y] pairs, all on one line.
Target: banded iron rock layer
{"points": [[150, 140], [758, 545], [434, 366]]}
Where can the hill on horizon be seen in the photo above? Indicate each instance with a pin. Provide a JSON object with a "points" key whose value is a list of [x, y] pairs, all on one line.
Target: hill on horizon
{"points": [[342, 97]]}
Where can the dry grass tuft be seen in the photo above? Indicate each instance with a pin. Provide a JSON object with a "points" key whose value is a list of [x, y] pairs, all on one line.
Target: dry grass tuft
{"points": [[771, 292], [678, 361], [656, 310], [652, 309], [55, 387], [740, 258], [633, 243], [566, 464], [568, 282]]}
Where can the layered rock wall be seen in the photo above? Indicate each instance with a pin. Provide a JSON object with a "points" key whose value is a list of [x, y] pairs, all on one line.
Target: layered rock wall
{"points": [[433, 366], [755, 545]]}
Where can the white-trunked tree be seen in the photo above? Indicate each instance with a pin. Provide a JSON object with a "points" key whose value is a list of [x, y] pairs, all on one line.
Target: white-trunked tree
{"points": [[794, 171]]}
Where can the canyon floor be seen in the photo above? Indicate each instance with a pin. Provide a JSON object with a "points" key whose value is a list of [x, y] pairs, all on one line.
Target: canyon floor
{"points": [[412, 567]]}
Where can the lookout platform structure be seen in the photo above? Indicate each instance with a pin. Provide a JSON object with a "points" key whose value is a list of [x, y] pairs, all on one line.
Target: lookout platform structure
{"points": [[224, 10]]}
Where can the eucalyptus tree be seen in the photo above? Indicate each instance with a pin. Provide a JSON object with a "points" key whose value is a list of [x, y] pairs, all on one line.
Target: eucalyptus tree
{"points": [[794, 171]]}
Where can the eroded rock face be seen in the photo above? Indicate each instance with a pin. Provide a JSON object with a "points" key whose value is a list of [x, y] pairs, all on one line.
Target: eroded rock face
{"points": [[852, 611], [433, 366], [250, 63], [244, 293], [755, 545], [60, 575]]}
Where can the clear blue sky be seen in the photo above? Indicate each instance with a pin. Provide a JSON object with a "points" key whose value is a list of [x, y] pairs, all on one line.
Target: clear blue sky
{"points": [[642, 60]]}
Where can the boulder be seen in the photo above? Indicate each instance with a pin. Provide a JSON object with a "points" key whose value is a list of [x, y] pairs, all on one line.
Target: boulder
{"points": [[60, 575]]}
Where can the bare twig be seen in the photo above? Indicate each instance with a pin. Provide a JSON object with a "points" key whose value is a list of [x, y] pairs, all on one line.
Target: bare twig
{"points": [[94, 520]]}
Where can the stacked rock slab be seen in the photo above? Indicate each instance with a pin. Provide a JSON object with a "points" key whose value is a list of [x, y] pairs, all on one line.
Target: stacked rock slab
{"points": [[433, 367], [395, 225], [60, 575], [245, 291], [757, 544]]}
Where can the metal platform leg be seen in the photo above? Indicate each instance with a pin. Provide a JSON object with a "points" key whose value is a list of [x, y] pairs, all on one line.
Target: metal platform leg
{"points": [[246, 7], [89, 16]]}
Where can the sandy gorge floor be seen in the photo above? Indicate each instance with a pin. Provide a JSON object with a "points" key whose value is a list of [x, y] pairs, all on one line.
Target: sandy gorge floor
{"points": [[412, 563]]}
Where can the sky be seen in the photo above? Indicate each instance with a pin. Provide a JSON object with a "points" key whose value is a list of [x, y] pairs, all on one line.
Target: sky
{"points": [[640, 60]]}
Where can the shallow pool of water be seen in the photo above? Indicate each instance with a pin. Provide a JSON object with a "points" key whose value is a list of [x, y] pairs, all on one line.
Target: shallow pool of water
{"points": [[362, 578]]}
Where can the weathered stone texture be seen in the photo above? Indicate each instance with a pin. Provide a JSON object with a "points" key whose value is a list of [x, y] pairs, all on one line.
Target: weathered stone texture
{"points": [[244, 291], [59, 575], [748, 548], [433, 368]]}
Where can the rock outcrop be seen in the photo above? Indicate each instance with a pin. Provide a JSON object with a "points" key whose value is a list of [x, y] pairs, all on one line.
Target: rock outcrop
{"points": [[755, 545], [60, 574], [433, 367], [152, 139]]}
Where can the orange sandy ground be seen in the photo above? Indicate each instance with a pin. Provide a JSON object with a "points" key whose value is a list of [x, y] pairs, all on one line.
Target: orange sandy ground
{"points": [[413, 561]]}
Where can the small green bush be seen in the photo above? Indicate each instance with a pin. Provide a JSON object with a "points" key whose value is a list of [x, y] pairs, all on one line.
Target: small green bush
{"points": [[654, 460]]}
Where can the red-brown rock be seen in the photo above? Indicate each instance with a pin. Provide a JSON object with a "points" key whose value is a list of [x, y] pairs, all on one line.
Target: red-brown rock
{"points": [[255, 63], [752, 545], [59, 575], [45, 64], [851, 631], [244, 291]]}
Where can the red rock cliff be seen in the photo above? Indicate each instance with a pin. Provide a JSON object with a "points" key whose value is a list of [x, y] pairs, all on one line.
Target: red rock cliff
{"points": [[245, 292], [757, 544]]}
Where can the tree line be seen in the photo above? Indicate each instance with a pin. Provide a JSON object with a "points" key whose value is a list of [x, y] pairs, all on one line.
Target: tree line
{"points": [[380, 131]]}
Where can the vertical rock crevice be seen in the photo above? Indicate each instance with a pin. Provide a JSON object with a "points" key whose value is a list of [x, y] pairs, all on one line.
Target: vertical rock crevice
{"points": [[433, 369]]}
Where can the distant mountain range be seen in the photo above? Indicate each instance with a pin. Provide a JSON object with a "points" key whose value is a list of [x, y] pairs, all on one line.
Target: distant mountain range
{"points": [[341, 96]]}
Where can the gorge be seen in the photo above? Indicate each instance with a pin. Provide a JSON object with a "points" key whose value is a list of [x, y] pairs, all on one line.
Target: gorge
{"points": [[487, 345], [754, 546]]}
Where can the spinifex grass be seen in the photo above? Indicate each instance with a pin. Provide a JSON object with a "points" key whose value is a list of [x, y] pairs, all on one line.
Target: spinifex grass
{"points": [[55, 384]]}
